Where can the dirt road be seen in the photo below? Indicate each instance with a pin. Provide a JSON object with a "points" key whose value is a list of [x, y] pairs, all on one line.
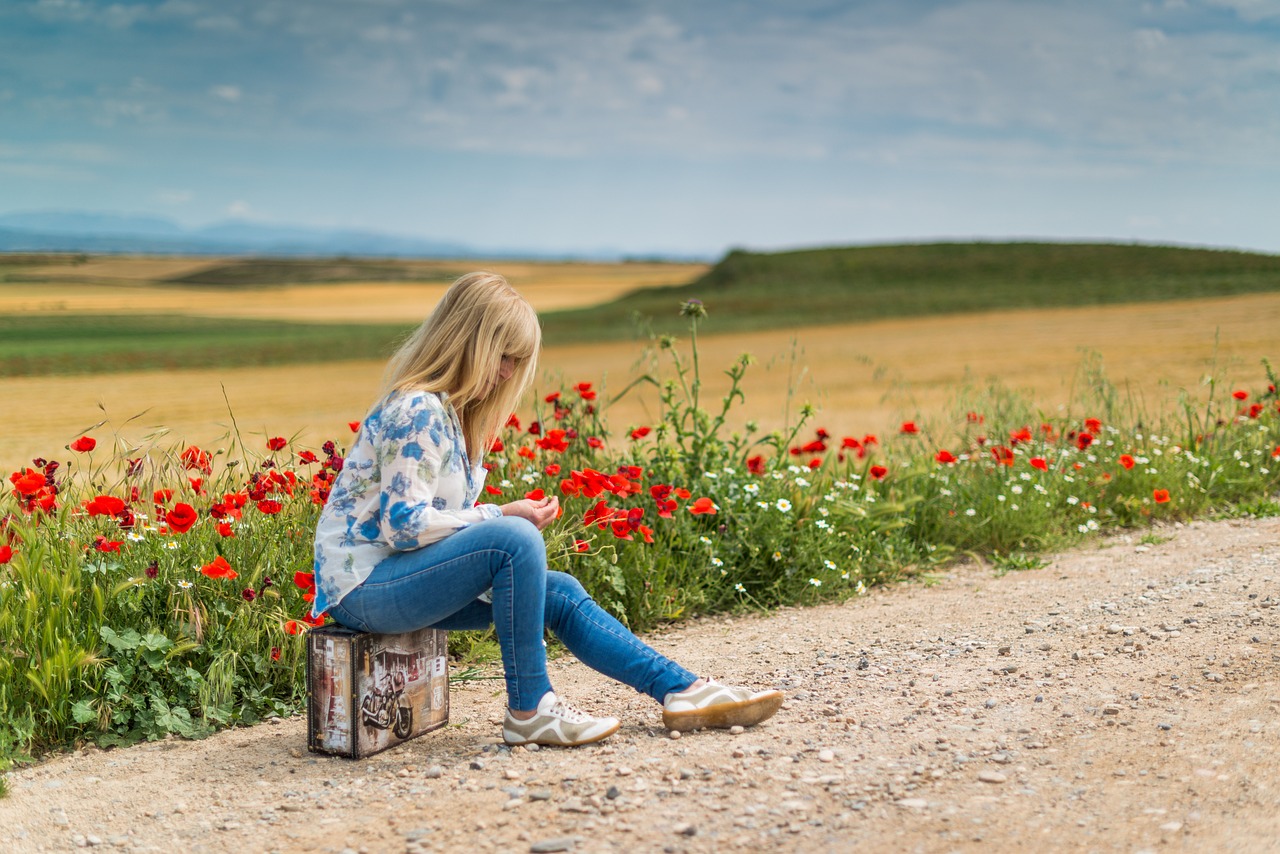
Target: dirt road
{"points": [[1122, 698]]}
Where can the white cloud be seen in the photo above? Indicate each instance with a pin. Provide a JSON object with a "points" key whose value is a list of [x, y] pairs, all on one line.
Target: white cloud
{"points": [[174, 197], [1250, 10], [240, 209], [226, 93]]}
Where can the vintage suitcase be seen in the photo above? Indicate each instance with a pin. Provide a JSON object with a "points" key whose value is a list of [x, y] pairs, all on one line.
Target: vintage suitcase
{"points": [[368, 692]]}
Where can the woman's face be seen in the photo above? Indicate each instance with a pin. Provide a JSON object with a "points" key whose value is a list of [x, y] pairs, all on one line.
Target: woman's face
{"points": [[506, 368]]}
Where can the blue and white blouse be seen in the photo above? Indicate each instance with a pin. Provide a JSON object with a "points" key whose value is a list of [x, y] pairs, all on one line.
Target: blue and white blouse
{"points": [[405, 484]]}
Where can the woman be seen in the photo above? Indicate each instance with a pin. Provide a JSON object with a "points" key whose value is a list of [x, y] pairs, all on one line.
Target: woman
{"points": [[401, 543]]}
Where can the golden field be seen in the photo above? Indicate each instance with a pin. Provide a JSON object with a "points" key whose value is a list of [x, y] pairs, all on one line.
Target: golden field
{"points": [[123, 285], [864, 377]]}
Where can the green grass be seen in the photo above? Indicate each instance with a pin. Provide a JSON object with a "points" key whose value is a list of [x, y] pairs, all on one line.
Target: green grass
{"points": [[750, 291], [37, 345]]}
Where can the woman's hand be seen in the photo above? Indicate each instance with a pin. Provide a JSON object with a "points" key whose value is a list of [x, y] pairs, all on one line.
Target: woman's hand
{"points": [[541, 512]]}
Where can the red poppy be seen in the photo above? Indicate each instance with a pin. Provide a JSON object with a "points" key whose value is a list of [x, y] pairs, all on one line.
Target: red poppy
{"points": [[599, 515], [1003, 455], [497, 447], [29, 483], [1084, 440], [224, 529], [1275, 455], [974, 418], [306, 457], [535, 429], [553, 441], [275, 653], [1255, 409], [755, 464], [1039, 463], [815, 463], [6, 554], [581, 546], [910, 428], [1161, 496], [219, 569], [703, 506], [291, 627], [276, 443], [584, 390], [878, 472], [1016, 436], [513, 422], [248, 594], [492, 490], [535, 495], [1240, 394], [1093, 425], [595, 442], [270, 507], [552, 470], [551, 398], [305, 580], [639, 432], [84, 444], [314, 621], [194, 458], [815, 447], [102, 544], [944, 457], [1126, 461], [181, 518], [162, 496], [104, 505], [354, 425]]}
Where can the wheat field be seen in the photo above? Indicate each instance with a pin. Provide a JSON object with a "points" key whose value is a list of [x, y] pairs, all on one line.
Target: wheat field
{"points": [[129, 285], [863, 377]]}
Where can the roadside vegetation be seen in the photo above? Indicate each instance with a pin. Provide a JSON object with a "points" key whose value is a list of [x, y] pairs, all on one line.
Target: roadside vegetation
{"points": [[151, 589]]}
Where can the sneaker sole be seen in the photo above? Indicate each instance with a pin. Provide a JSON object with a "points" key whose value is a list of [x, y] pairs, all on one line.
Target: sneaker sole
{"points": [[550, 743], [725, 715]]}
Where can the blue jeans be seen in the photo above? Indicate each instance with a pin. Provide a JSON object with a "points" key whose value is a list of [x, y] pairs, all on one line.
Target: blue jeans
{"points": [[439, 586]]}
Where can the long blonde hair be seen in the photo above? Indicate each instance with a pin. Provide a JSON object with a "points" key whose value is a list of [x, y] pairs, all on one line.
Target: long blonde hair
{"points": [[459, 349]]}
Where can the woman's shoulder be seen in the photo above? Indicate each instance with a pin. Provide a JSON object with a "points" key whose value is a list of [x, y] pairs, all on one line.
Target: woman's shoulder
{"points": [[407, 412], [413, 400]]}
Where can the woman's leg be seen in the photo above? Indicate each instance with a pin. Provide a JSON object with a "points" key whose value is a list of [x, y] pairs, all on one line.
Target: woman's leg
{"points": [[603, 644], [426, 587]]}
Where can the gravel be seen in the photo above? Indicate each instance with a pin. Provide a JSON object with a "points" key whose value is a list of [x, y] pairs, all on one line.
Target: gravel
{"points": [[1113, 700]]}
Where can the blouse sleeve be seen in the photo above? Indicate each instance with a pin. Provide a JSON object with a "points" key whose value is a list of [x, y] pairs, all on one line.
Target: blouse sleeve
{"points": [[417, 455]]}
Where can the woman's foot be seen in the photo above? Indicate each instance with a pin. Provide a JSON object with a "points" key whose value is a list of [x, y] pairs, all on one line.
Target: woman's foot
{"points": [[555, 722], [710, 704]]}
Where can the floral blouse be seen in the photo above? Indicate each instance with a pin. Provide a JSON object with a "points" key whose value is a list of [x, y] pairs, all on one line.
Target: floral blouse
{"points": [[405, 484]]}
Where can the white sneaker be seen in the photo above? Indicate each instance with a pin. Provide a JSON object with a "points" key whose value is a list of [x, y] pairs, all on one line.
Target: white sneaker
{"points": [[557, 723], [719, 706]]}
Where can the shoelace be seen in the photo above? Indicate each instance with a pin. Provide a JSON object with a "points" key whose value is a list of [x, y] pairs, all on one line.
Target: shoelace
{"points": [[563, 710]]}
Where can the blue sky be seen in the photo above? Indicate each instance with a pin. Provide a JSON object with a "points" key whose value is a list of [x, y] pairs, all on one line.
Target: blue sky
{"points": [[653, 126]]}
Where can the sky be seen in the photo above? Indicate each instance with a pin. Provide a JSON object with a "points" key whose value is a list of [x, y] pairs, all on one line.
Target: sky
{"points": [[647, 126]]}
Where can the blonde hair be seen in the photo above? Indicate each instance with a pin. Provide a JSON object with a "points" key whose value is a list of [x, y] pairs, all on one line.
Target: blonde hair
{"points": [[459, 350]]}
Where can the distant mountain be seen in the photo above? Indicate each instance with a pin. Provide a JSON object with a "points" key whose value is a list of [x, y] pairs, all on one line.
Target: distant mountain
{"points": [[78, 231]]}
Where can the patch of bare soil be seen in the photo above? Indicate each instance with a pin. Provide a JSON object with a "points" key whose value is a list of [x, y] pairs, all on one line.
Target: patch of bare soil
{"points": [[1122, 698]]}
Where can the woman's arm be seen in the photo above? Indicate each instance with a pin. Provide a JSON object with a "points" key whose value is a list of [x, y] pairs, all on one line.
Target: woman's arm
{"points": [[423, 490]]}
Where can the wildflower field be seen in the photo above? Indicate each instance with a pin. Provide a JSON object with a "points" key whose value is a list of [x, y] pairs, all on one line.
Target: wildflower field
{"points": [[154, 587]]}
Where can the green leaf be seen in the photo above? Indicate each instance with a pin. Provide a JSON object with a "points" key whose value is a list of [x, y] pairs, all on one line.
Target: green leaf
{"points": [[126, 642], [84, 712]]}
